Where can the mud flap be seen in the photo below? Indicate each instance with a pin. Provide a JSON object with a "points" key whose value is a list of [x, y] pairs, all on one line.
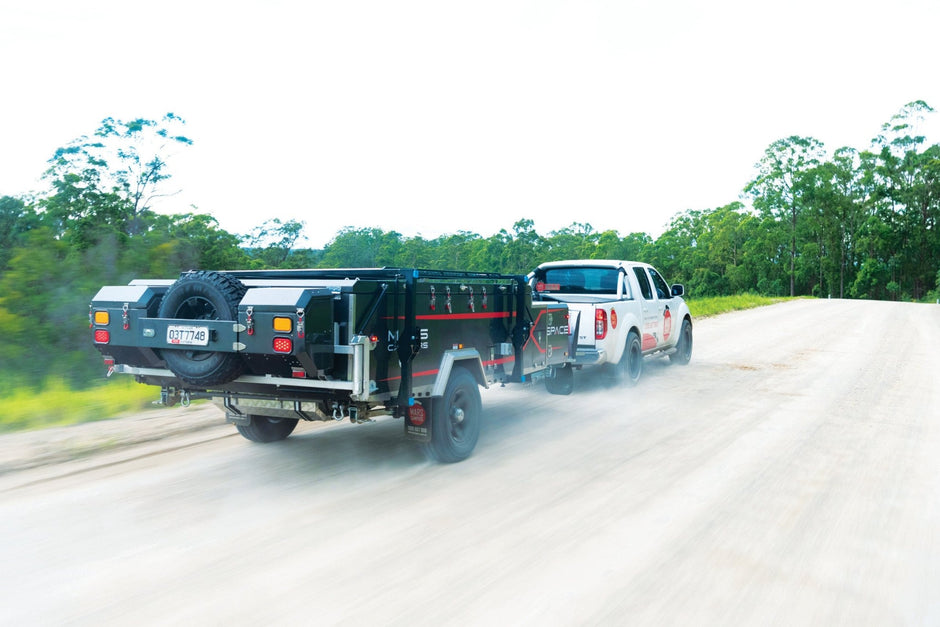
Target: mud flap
{"points": [[418, 421]]}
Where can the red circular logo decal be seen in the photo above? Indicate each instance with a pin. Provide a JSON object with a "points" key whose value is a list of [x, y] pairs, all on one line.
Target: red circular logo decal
{"points": [[667, 325], [417, 415]]}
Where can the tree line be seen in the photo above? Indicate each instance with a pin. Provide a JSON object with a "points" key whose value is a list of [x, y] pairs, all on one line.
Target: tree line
{"points": [[859, 223]]}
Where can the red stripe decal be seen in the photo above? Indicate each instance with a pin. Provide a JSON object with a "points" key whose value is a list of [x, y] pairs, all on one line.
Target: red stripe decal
{"points": [[462, 316]]}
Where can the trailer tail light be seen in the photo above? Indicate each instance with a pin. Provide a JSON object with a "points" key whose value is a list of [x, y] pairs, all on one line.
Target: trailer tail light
{"points": [[102, 317], [102, 336], [283, 325], [283, 345], [600, 324]]}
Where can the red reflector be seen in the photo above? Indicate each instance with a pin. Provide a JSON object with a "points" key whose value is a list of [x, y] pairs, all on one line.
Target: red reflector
{"points": [[283, 345], [417, 415], [298, 373], [600, 324], [102, 336]]}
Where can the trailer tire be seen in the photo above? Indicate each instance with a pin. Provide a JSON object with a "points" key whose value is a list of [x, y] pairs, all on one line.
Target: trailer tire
{"points": [[264, 429], [683, 353], [203, 296], [561, 381], [455, 419]]}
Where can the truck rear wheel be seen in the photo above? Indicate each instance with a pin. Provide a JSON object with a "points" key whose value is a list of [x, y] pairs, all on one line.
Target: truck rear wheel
{"points": [[683, 353], [203, 296], [630, 367], [265, 429], [455, 419]]}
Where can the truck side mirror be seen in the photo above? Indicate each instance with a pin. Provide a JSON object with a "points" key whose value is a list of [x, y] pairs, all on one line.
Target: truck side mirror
{"points": [[678, 289]]}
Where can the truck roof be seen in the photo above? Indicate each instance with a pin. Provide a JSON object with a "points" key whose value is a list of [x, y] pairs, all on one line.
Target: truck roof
{"points": [[596, 263]]}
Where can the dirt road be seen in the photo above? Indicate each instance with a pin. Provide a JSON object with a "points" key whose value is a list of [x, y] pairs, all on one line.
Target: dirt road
{"points": [[789, 475]]}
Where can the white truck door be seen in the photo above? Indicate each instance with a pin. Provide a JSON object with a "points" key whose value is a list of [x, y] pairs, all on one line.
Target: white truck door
{"points": [[652, 310], [666, 308]]}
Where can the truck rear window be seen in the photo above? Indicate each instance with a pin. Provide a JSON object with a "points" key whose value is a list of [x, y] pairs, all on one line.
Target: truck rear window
{"points": [[579, 281]]}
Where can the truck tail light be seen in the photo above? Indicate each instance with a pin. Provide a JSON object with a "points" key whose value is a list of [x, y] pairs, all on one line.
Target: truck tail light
{"points": [[600, 324], [102, 336], [283, 345]]}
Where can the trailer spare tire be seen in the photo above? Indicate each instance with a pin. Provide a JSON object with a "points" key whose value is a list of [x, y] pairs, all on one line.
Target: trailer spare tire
{"points": [[203, 296]]}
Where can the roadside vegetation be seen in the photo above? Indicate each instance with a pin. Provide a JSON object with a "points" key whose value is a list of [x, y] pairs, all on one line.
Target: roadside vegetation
{"points": [[56, 403], [847, 223], [715, 305]]}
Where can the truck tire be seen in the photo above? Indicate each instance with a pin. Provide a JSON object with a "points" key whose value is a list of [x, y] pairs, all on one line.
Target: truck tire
{"points": [[684, 347], [265, 429], [561, 381], [630, 368], [455, 419], [203, 296]]}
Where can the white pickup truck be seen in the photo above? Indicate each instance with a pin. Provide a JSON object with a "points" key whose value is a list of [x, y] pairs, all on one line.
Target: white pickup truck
{"points": [[620, 312]]}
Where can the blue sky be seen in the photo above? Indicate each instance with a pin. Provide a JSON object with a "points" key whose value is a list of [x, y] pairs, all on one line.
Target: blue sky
{"points": [[430, 117]]}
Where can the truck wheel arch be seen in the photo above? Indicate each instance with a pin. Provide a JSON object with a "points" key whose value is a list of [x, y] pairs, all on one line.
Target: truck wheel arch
{"points": [[683, 352]]}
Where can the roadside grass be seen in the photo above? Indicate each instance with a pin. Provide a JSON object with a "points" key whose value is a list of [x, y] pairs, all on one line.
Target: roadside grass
{"points": [[704, 307], [56, 404]]}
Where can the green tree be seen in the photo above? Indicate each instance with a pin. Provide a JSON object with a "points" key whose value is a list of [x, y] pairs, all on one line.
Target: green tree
{"points": [[180, 242], [836, 197], [361, 248], [611, 246], [272, 243], [906, 177], [578, 241], [779, 188], [522, 249], [16, 220], [454, 251], [113, 176], [43, 303]]}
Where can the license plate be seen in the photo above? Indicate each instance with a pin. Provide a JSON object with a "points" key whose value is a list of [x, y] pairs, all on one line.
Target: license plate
{"points": [[186, 335]]}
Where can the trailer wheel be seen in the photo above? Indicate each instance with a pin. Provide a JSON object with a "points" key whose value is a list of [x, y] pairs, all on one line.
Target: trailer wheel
{"points": [[455, 419], [630, 367], [561, 381], [684, 348], [266, 429], [203, 296]]}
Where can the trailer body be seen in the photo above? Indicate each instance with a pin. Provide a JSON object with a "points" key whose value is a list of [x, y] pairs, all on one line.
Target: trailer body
{"points": [[275, 347]]}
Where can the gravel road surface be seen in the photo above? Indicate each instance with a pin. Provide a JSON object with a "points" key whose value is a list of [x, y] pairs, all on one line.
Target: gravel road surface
{"points": [[789, 475]]}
